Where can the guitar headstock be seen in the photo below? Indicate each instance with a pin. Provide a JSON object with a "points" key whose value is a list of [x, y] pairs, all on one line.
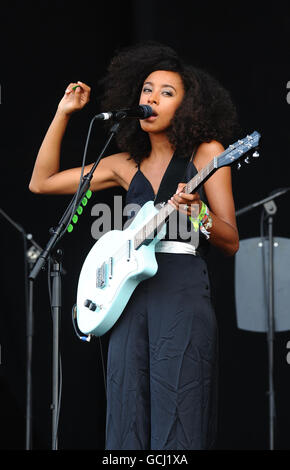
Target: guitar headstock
{"points": [[236, 151]]}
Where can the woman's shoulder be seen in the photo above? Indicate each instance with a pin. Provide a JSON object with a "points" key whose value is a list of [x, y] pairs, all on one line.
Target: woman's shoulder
{"points": [[123, 167], [205, 152], [119, 160], [119, 157]]}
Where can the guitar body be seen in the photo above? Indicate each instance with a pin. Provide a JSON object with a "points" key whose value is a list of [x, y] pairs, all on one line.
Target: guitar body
{"points": [[111, 272]]}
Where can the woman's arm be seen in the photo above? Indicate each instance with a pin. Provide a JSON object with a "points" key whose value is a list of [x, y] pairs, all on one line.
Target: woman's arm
{"points": [[218, 189], [46, 177]]}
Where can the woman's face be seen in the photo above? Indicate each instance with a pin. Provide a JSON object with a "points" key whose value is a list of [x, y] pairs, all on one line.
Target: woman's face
{"points": [[163, 91]]}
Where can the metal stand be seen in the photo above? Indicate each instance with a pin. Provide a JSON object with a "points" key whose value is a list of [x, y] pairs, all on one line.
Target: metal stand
{"points": [[252, 325], [57, 233], [56, 310], [271, 210], [29, 347], [29, 258]]}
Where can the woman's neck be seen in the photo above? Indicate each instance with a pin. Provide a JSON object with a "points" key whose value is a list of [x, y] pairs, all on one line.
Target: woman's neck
{"points": [[160, 147]]}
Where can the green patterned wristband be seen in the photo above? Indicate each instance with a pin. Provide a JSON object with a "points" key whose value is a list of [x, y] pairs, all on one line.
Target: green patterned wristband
{"points": [[195, 223], [202, 211]]}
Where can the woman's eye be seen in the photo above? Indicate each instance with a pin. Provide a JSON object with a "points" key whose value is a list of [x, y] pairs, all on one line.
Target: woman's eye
{"points": [[167, 93], [146, 90]]}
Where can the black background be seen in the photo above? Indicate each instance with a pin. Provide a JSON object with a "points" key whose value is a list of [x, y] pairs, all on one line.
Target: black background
{"points": [[46, 45]]}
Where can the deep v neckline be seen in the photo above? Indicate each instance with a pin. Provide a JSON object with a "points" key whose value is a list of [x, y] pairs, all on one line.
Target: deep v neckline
{"points": [[162, 179], [140, 189]]}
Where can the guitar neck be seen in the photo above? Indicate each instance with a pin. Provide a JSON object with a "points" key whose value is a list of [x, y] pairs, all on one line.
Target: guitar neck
{"points": [[201, 177], [149, 230]]}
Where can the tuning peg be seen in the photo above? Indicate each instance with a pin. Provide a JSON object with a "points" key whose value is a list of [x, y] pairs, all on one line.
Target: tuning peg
{"points": [[239, 166], [247, 160], [256, 154]]}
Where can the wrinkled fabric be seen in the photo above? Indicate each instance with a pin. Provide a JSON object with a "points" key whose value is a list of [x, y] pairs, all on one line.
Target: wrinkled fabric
{"points": [[162, 362]]}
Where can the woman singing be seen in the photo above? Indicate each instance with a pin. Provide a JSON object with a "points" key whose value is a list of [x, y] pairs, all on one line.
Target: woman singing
{"points": [[162, 357]]}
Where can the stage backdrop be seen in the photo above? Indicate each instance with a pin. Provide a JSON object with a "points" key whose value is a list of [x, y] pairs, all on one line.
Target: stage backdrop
{"points": [[43, 48]]}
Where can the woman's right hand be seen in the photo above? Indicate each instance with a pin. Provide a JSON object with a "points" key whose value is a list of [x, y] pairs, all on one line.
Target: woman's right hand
{"points": [[76, 96]]}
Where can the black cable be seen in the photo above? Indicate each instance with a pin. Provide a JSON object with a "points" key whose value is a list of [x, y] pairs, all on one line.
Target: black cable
{"points": [[25, 270], [103, 367], [88, 339]]}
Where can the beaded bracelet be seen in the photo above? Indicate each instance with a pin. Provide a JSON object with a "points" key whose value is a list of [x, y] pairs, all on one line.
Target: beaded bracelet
{"points": [[203, 221]]}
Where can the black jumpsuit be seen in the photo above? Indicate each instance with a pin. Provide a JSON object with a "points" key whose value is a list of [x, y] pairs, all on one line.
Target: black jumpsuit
{"points": [[162, 357]]}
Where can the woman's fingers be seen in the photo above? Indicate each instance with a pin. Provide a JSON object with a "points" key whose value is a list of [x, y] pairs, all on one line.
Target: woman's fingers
{"points": [[76, 96], [69, 88], [180, 187], [74, 85], [85, 87], [184, 198], [183, 201]]}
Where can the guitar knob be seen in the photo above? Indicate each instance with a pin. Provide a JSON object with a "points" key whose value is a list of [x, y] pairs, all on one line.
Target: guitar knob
{"points": [[256, 154], [239, 166], [90, 305], [87, 303], [247, 160], [93, 306]]}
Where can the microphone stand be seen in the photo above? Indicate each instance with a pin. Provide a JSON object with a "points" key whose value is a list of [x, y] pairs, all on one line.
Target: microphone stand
{"points": [[28, 256], [277, 193], [271, 209], [57, 233]]}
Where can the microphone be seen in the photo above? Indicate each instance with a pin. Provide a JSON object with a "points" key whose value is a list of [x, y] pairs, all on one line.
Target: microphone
{"points": [[142, 111]]}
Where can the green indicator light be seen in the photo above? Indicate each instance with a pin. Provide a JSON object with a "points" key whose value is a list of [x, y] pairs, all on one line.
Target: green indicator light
{"points": [[75, 219], [80, 210], [88, 193], [84, 201], [70, 228]]}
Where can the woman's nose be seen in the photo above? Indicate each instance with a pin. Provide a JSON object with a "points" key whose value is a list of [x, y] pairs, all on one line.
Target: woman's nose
{"points": [[153, 98]]}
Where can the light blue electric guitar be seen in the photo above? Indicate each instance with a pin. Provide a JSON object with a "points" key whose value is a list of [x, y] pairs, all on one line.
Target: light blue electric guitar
{"points": [[120, 260]]}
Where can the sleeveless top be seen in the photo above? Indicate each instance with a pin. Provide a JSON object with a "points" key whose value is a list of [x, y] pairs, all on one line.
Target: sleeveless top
{"points": [[141, 191]]}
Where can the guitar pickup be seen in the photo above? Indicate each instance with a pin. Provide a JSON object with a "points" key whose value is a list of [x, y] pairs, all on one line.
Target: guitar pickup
{"points": [[101, 279], [104, 272]]}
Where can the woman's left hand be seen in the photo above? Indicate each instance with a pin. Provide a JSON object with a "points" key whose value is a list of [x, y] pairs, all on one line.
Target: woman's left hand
{"points": [[183, 201]]}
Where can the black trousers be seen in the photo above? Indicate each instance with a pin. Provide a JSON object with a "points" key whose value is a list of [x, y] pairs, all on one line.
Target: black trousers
{"points": [[162, 362]]}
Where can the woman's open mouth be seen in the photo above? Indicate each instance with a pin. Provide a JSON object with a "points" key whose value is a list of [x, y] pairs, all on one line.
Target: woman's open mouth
{"points": [[152, 117]]}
